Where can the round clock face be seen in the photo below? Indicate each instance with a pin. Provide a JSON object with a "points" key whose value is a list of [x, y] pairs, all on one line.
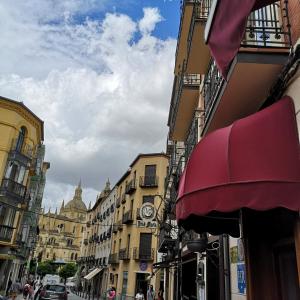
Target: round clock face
{"points": [[147, 211]]}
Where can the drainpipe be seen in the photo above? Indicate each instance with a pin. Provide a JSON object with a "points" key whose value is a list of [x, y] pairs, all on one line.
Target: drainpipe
{"points": [[226, 265]]}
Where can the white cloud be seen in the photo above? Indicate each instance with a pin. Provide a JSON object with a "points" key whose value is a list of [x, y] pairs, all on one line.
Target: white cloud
{"points": [[102, 92], [150, 19]]}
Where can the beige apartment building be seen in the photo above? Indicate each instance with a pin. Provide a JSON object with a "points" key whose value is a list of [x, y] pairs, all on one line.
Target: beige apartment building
{"points": [[138, 211], [61, 232], [95, 249]]}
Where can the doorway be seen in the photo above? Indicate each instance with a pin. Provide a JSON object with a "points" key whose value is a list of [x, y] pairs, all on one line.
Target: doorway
{"points": [[141, 283]]}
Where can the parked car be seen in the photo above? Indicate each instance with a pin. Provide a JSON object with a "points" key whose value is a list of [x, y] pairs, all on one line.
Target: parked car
{"points": [[53, 292]]}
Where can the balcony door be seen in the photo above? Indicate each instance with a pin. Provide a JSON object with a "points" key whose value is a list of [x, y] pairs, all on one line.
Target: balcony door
{"points": [[150, 174], [145, 245]]}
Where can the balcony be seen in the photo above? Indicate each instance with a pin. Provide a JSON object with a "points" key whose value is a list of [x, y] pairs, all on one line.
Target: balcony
{"points": [[123, 198], [108, 233], [6, 233], [127, 217], [194, 133], [185, 99], [124, 254], [113, 258], [120, 226], [166, 240], [185, 21], [263, 52], [130, 187], [143, 254], [115, 228], [12, 189], [138, 216], [118, 202], [20, 153], [148, 181], [196, 46]]}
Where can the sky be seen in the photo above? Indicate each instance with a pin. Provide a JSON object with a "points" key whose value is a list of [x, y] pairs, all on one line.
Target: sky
{"points": [[99, 73]]}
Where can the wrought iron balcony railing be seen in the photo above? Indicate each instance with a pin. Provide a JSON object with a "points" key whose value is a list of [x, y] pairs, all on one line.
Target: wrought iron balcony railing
{"points": [[200, 14], [148, 181], [13, 189], [212, 83], [186, 80], [6, 233], [22, 148], [123, 198], [166, 240], [124, 254], [193, 134], [115, 228], [120, 226], [143, 254], [127, 217], [138, 215], [113, 258], [268, 27], [182, 7], [130, 187]]}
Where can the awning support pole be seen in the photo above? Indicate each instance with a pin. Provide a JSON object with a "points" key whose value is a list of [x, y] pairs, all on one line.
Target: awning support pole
{"points": [[297, 245]]}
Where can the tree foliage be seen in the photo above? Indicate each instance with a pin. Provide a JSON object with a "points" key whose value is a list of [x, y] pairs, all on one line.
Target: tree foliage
{"points": [[67, 271], [46, 267]]}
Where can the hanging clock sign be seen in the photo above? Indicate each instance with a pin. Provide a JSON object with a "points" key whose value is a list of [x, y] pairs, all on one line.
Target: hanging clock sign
{"points": [[147, 214]]}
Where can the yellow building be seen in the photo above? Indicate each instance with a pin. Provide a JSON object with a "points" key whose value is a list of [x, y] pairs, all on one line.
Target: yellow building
{"points": [[22, 179], [138, 207], [61, 233]]}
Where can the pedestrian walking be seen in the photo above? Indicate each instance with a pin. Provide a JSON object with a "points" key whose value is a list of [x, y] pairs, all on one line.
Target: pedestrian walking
{"points": [[150, 293], [15, 289], [160, 295], [140, 295], [111, 293], [8, 286]]}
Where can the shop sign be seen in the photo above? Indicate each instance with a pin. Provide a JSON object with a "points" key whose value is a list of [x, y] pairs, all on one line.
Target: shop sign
{"points": [[241, 276], [147, 224]]}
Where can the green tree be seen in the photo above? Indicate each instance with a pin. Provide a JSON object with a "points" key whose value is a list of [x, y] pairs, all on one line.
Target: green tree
{"points": [[67, 271], [46, 267]]}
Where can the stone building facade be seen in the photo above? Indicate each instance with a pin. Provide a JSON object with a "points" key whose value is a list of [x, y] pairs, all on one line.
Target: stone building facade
{"points": [[61, 233]]}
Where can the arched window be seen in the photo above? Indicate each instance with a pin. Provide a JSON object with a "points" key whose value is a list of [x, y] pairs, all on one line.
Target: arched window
{"points": [[75, 256], [21, 138], [72, 256]]}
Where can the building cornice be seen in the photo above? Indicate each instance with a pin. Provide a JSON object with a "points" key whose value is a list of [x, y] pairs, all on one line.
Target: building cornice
{"points": [[25, 113]]}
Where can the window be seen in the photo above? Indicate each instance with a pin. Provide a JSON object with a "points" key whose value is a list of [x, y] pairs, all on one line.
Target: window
{"points": [[75, 256], [128, 243], [72, 256], [21, 138], [74, 228], [125, 282], [148, 199], [145, 245], [150, 171]]}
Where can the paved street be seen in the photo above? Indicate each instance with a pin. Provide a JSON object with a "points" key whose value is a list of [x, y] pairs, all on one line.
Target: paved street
{"points": [[72, 296]]}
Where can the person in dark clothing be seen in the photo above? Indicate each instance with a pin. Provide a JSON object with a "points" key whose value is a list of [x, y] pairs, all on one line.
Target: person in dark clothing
{"points": [[8, 286]]}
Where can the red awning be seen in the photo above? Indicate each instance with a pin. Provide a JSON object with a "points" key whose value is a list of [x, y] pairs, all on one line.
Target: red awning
{"points": [[254, 163], [228, 28]]}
